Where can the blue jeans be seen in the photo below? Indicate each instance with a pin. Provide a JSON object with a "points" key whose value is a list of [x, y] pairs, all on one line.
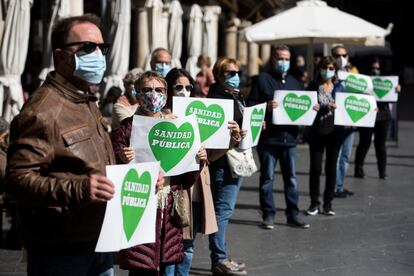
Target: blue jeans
{"points": [[82, 265], [343, 161], [269, 154], [183, 269], [225, 189]]}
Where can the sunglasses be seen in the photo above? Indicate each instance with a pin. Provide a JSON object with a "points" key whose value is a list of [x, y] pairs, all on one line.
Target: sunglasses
{"points": [[231, 73], [88, 47], [160, 90], [337, 55], [179, 87], [329, 67]]}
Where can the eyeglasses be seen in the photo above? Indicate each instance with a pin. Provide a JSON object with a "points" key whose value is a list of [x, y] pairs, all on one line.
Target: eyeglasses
{"points": [[88, 47], [329, 67], [179, 87], [231, 73], [338, 55], [160, 90]]}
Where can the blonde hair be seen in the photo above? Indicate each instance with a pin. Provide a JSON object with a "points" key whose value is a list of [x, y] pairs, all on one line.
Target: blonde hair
{"points": [[203, 59]]}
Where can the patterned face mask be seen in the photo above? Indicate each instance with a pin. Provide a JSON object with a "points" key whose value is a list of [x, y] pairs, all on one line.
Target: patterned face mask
{"points": [[153, 100]]}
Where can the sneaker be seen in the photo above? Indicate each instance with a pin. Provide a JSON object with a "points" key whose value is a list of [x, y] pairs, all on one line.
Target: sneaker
{"points": [[327, 211], [340, 194], [226, 267], [241, 266], [268, 223], [295, 222], [383, 176], [313, 210], [349, 192]]}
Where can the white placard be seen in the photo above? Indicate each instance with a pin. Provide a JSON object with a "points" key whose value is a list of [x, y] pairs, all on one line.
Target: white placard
{"points": [[213, 116], [253, 118], [294, 107], [356, 83], [173, 142], [384, 88], [353, 109], [130, 215]]}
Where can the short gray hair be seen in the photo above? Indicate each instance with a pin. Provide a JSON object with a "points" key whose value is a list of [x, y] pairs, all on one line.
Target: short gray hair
{"points": [[132, 76], [156, 51]]}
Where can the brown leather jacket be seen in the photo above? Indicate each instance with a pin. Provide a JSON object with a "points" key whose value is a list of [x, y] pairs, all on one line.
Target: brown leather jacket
{"points": [[56, 142]]}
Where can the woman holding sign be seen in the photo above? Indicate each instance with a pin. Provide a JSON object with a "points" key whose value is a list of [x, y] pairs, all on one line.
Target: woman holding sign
{"points": [[379, 131], [323, 135], [224, 186], [150, 259], [181, 84]]}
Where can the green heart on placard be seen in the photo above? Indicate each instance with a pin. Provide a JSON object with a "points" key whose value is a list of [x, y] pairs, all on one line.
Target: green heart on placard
{"points": [[295, 106], [356, 108], [256, 120], [381, 87], [209, 119], [135, 193], [355, 85], [170, 144]]}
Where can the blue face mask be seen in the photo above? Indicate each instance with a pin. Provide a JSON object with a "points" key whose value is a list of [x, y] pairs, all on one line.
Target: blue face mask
{"points": [[327, 74], [282, 66], [90, 67], [232, 81], [162, 68], [133, 92]]}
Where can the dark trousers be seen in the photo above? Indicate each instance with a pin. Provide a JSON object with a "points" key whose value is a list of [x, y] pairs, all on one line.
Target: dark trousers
{"points": [[93, 264], [317, 148], [380, 131]]}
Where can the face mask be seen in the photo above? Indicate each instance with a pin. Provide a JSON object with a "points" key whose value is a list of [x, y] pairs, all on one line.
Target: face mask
{"points": [[282, 66], [153, 101], [133, 92], [232, 81], [375, 72], [90, 67], [184, 93], [342, 62], [162, 69], [327, 74]]}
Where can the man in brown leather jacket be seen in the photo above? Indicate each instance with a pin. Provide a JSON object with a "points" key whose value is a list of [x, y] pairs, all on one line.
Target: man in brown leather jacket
{"points": [[58, 151]]}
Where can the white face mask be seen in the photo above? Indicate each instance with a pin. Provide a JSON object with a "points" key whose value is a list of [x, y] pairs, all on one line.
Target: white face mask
{"points": [[342, 62], [184, 92]]}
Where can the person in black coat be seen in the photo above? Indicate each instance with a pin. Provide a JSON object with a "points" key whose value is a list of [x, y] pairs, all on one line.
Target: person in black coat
{"points": [[277, 142], [379, 131]]}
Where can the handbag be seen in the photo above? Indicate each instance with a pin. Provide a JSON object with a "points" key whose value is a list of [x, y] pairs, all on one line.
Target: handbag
{"points": [[241, 162], [180, 213]]}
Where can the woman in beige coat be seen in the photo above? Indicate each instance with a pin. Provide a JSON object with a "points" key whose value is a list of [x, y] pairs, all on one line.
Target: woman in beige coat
{"points": [[200, 203]]}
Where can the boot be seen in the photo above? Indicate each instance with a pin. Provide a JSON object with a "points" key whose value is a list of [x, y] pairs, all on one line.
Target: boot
{"points": [[359, 172]]}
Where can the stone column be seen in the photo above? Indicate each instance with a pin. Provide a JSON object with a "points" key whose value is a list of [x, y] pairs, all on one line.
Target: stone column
{"points": [[265, 50], [242, 53], [253, 64], [231, 38], [141, 47]]}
